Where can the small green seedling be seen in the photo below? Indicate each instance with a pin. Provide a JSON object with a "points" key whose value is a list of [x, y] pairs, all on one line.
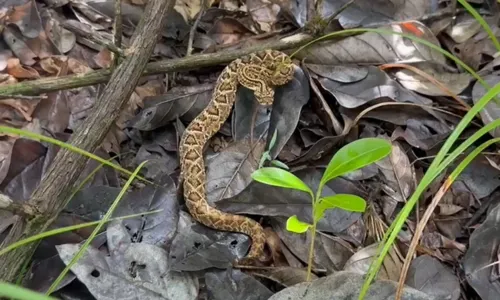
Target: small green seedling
{"points": [[351, 157], [266, 156]]}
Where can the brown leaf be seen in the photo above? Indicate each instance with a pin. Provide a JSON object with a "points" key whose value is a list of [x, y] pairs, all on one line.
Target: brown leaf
{"points": [[41, 45], [286, 276], [103, 58], [274, 243], [361, 260], [26, 18], [15, 69], [6, 145], [10, 117], [190, 8], [374, 48], [364, 13], [398, 172], [24, 107], [151, 88], [16, 43], [61, 38], [24, 152], [263, 12], [53, 112], [6, 79], [455, 82], [77, 67], [448, 209], [228, 31], [112, 141], [5, 54], [51, 65]]}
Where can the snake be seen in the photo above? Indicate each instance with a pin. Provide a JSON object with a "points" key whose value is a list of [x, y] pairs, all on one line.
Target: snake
{"points": [[259, 72]]}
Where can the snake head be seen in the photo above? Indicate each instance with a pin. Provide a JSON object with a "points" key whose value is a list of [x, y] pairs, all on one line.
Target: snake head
{"points": [[282, 73]]}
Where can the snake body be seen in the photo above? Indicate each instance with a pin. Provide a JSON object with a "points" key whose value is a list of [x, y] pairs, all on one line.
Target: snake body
{"points": [[258, 72]]}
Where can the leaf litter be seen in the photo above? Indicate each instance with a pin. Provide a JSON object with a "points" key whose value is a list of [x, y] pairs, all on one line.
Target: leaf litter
{"points": [[355, 87]]}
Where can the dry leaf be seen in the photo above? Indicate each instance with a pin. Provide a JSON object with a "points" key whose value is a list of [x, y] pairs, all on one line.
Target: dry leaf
{"points": [[15, 69]]}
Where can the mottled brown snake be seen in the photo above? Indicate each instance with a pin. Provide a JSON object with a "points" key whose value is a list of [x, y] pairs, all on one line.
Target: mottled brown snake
{"points": [[258, 72]]}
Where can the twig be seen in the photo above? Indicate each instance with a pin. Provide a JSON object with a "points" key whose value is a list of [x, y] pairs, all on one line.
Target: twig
{"points": [[335, 14], [117, 30], [50, 84], [23, 210], [192, 32], [21, 97], [117, 26], [418, 234], [90, 34], [59, 180]]}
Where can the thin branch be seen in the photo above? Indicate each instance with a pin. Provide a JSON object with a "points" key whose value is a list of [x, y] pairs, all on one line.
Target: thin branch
{"points": [[117, 26], [21, 97], [23, 210], [193, 62], [192, 32], [117, 30], [87, 32]]}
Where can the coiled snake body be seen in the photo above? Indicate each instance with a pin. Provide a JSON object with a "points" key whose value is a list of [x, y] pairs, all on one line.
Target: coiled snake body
{"points": [[258, 72]]}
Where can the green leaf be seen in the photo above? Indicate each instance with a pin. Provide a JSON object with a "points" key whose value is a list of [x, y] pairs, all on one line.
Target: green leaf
{"points": [[273, 139], [356, 155], [344, 201], [265, 156], [280, 164], [295, 225], [279, 177]]}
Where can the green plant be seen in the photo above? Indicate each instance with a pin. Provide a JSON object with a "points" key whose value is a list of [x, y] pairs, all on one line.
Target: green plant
{"points": [[11, 291], [351, 157], [266, 156], [443, 158]]}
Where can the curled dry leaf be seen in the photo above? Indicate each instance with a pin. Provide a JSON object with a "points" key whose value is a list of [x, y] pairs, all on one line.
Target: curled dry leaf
{"points": [[234, 284], [285, 276], [228, 31], [5, 156], [345, 285], [15, 69], [63, 39], [364, 13], [480, 260], [433, 277], [398, 172], [52, 65], [375, 48], [465, 27], [197, 247], [229, 171], [190, 8], [377, 84], [5, 55], [26, 18], [23, 106], [77, 67], [274, 243], [264, 12], [18, 47], [454, 82], [361, 260], [491, 111], [6, 79]]}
